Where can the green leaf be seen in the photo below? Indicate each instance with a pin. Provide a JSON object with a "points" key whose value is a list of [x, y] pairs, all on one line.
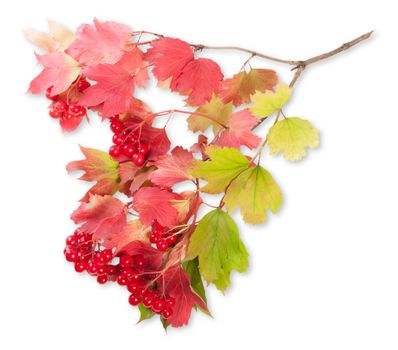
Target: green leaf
{"points": [[145, 313], [192, 267], [224, 166], [255, 191], [165, 323], [216, 243], [292, 136], [267, 103]]}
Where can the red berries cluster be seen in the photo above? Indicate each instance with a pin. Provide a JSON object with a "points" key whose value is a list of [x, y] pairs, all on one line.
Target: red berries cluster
{"points": [[127, 143], [161, 236], [60, 109], [129, 272]]}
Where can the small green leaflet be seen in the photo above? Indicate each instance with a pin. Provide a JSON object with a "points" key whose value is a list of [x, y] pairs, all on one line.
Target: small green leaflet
{"points": [[145, 313], [216, 243], [292, 136], [267, 103], [255, 191]]}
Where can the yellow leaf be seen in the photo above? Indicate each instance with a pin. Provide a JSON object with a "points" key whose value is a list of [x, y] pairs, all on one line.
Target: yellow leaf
{"points": [[254, 191], [267, 103], [292, 136]]}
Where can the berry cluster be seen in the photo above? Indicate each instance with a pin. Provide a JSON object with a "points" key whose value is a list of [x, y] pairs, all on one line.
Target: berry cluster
{"points": [[162, 237], [129, 271], [127, 143]]}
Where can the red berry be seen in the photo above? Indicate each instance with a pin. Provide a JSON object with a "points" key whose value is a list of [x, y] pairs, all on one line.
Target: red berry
{"points": [[170, 302], [101, 270], [171, 239], [111, 270], [60, 106], [147, 300], [82, 85], [102, 279], [139, 261], [143, 148], [54, 113], [76, 110], [128, 272], [99, 258], [122, 280], [80, 266], [134, 299], [133, 138], [118, 139], [92, 268], [158, 305], [167, 312], [136, 278], [157, 227], [71, 255], [126, 261], [114, 151], [135, 288], [162, 245], [154, 237], [128, 149], [117, 126], [108, 255], [72, 241], [49, 96], [138, 159]]}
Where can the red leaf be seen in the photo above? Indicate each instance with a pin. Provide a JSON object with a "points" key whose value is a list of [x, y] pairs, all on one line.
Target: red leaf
{"points": [[133, 231], [199, 79], [172, 168], [115, 83], [241, 86], [239, 132], [187, 205], [153, 256], [168, 56], [101, 43], [154, 203], [70, 124], [176, 283], [102, 216], [60, 71]]}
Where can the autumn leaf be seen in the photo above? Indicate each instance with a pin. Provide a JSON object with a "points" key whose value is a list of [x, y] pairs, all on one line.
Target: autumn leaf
{"points": [[243, 85], [187, 204], [172, 168], [192, 267], [154, 203], [168, 56], [101, 43], [100, 167], [176, 283], [214, 108], [57, 39], [153, 257], [267, 103], [133, 231], [115, 83], [225, 164], [239, 132], [255, 191], [199, 79], [216, 243], [101, 216], [71, 123], [292, 136], [60, 71]]}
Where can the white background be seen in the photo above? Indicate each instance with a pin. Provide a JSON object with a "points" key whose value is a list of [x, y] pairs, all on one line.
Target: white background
{"points": [[323, 272]]}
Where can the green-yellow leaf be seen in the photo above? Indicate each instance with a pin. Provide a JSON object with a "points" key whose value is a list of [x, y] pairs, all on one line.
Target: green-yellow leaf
{"points": [[214, 108], [145, 313], [254, 191], [216, 243], [292, 136], [224, 166], [267, 103]]}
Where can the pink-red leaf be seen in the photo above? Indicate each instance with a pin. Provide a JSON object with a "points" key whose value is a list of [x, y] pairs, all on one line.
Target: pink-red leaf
{"points": [[101, 43], [154, 203], [168, 56], [172, 168], [239, 132], [101, 216], [177, 284], [60, 71], [199, 79]]}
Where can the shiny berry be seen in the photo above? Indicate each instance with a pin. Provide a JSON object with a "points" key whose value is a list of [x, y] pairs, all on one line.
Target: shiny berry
{"points": [[82, 85], [92, 269], [138, 159], [128, 272], [76, 110], [170, 302], [139, 261], [115, 151], [171, 239], [49, 95], [162, 245], [101, 270], [134, 299], [126, 260], [99, 258], [72, 241], [154, 237], [60, 106], [118, 139], [133, 138], [117, 126], [54, 113], [143, 148], [167, 312], [135, 288], [122, 280], [158, 305], [108, 255], [136, 278], [80, 266], [71, 255], [111, 270], [102, 279], [128, 149], [147, 300]]}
